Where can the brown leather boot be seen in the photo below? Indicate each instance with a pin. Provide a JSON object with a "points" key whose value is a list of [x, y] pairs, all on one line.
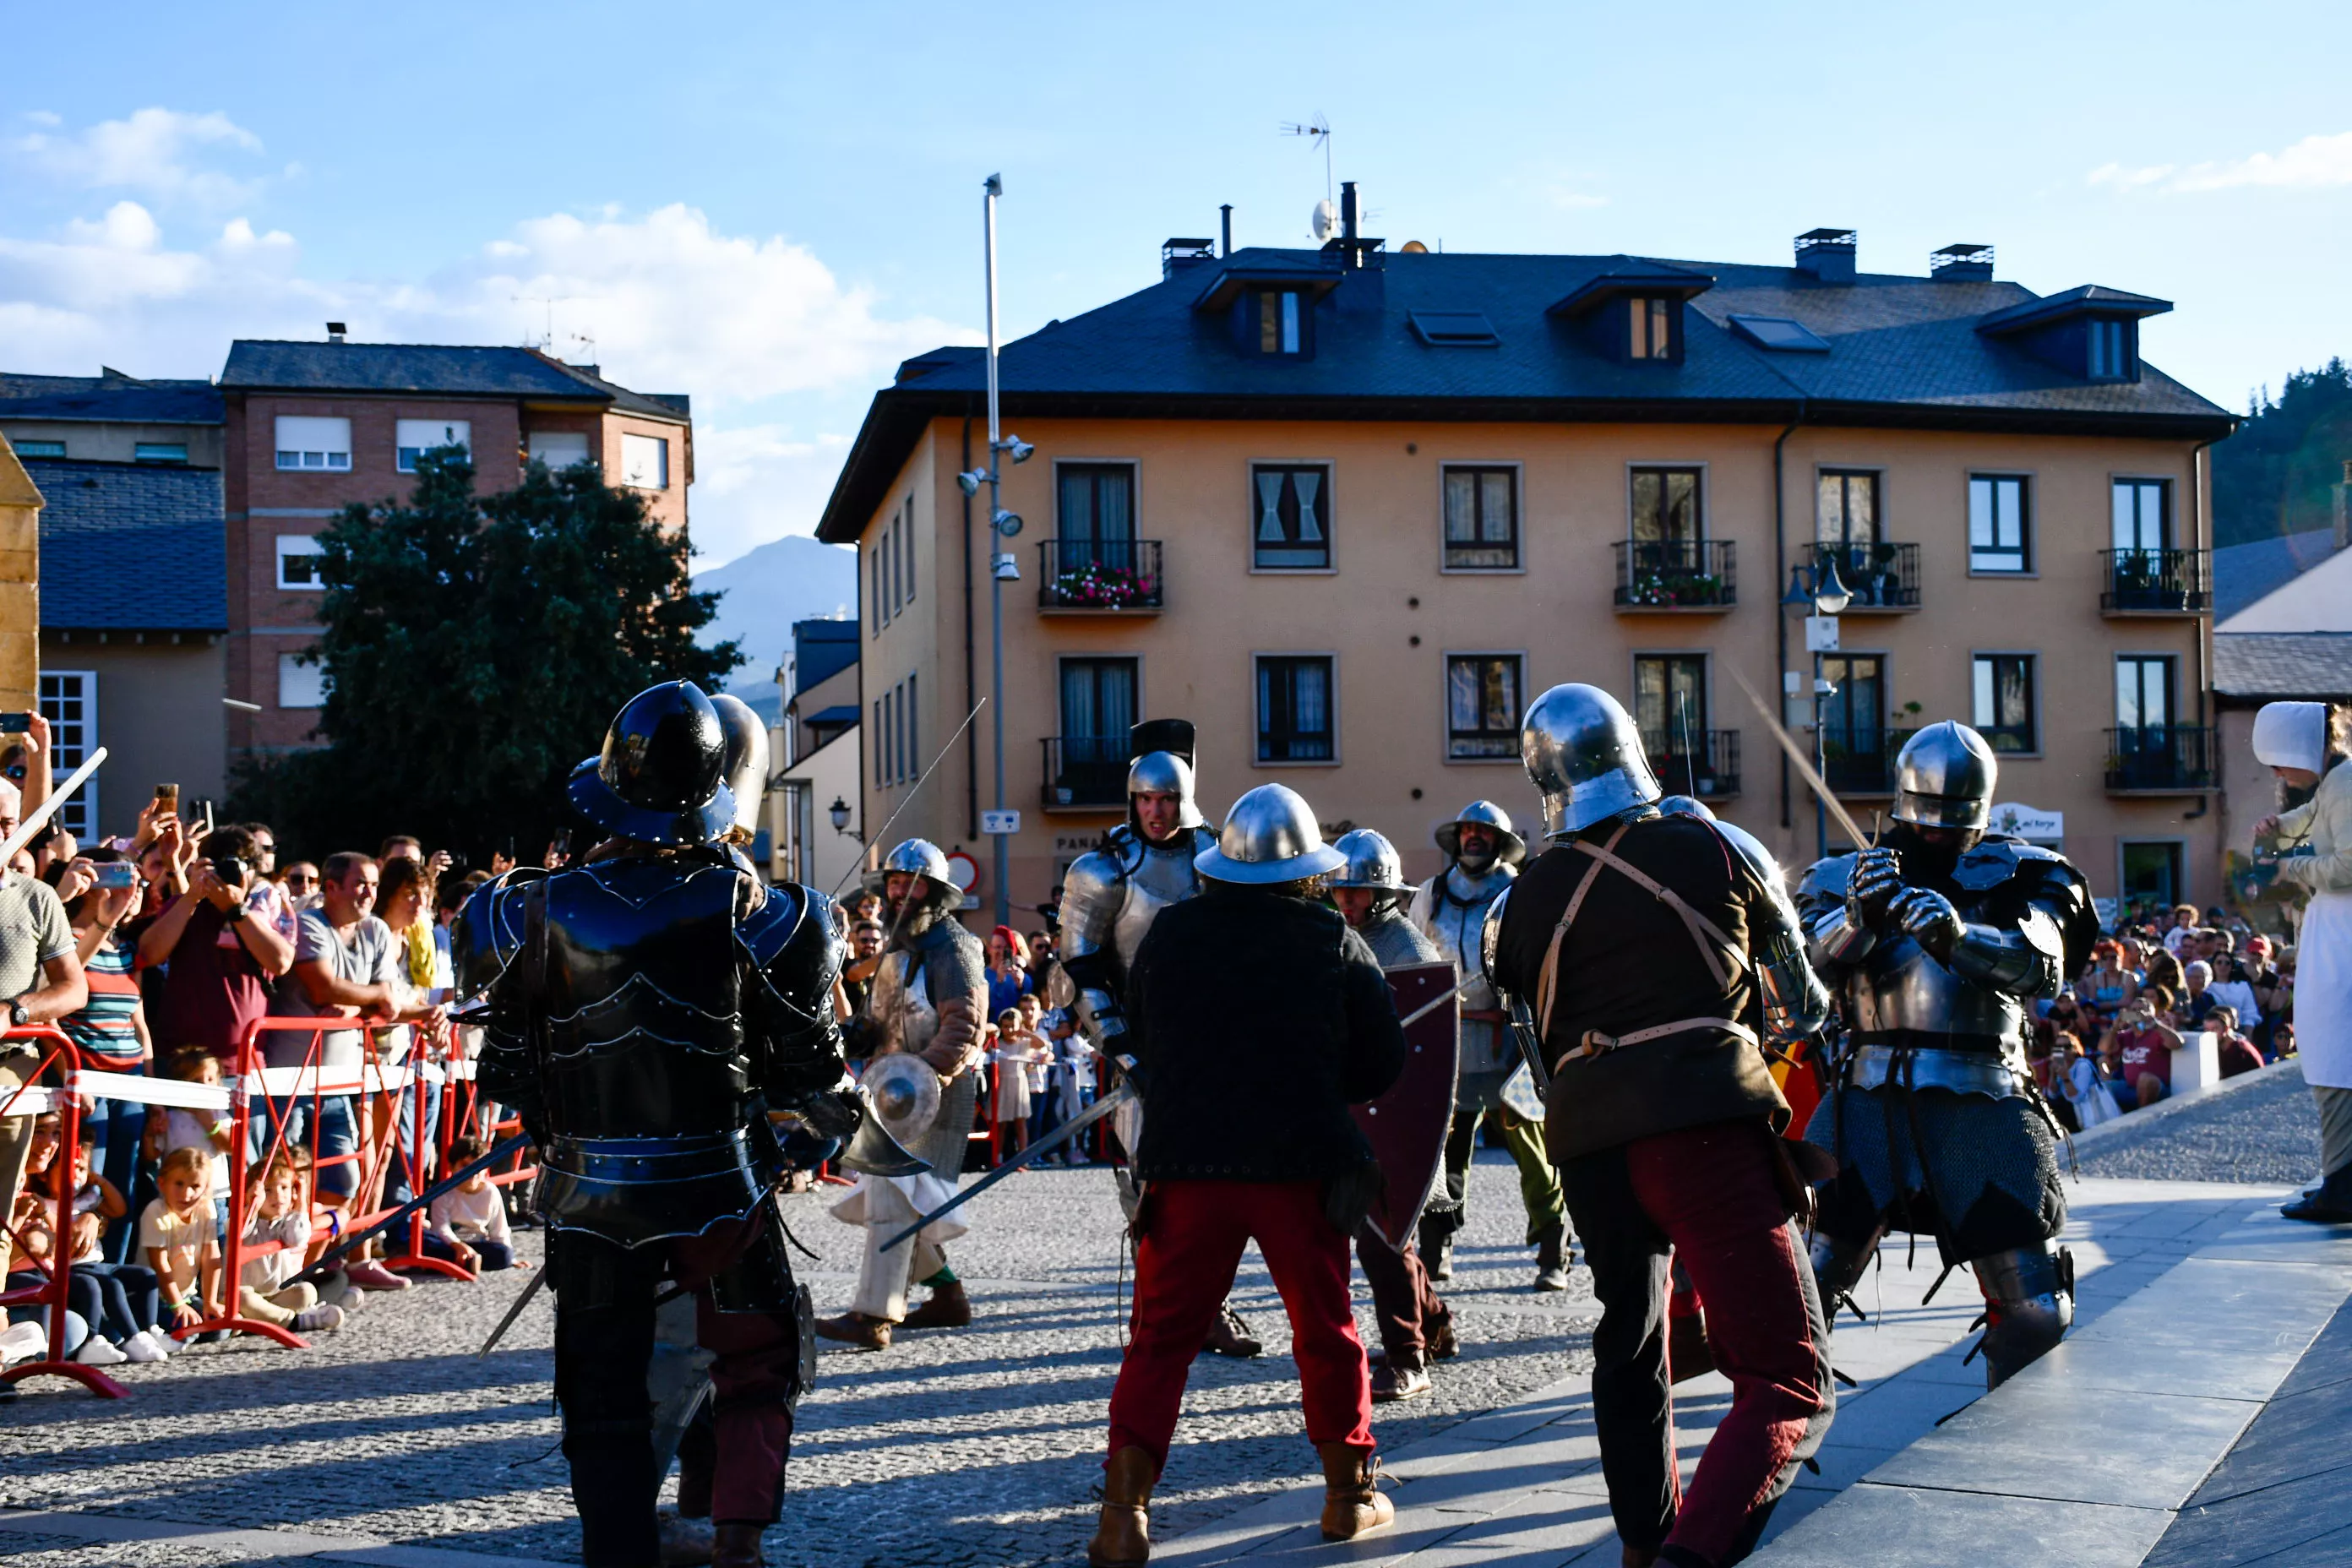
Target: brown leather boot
{"points": [[737, 1546], [1123, 1533], [1353, 1503], [949, 1307], [1231, 1336], [855, 1329]]}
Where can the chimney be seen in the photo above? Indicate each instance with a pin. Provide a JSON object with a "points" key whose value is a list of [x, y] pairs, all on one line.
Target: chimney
{"points": [[1225, 214], [335, 330], [2342, 496], [1827, 254], [1347, 210], [1176, 255], [1961, 263]]}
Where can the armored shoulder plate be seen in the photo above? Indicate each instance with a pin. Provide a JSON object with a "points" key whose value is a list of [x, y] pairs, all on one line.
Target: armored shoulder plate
{"points": [[1090, 894], [1490, 937], [1996, 861], [1759, 859], [489, 932], [1825, 882], [795, 957]]}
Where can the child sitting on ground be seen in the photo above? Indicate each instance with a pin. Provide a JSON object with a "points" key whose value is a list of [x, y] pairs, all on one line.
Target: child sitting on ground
{"points": [[175, 1127], [264, 1292], [118, 1300], [469, 1223], [179, 1238]]}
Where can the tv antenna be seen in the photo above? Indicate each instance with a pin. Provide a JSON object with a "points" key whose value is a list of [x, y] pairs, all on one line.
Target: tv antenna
{"points": [[548, 301], [1318, 131]]}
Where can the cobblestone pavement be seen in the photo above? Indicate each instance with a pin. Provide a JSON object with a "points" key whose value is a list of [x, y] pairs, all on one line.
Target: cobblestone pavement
{"points": [[978, 1446], [2269, 1133]]}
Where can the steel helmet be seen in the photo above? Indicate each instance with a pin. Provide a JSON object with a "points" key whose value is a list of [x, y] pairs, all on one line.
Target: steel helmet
{"points": [[1373, 863], [661, 777], [1579, 746], [925, 859], [1270, 836], [747, 759], [1510, 847], [1944, 777], [1164, 772]]}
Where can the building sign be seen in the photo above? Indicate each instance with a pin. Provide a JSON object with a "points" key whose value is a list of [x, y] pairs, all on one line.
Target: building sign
{"points": [[2029, 823]]}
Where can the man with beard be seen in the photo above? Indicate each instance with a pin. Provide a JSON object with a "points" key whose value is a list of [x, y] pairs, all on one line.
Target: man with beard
{"points": [[1416, 1327], [1255, 971], [1450, 908], [1934, 938], [1638, 941], [1110, 897], [927, 998], [646, 1013]]}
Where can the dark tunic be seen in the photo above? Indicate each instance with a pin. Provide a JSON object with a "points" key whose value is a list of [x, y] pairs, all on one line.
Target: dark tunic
{"points": [[1628, 965], [1257, 1019]]}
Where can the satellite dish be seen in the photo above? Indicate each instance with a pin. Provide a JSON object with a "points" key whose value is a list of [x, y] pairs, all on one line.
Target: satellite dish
{"points": [[1326, 221]]}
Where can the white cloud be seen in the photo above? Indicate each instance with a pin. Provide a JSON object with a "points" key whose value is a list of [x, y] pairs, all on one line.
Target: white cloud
{"points": [[757, 482], [2316, 163], [156, 150]]}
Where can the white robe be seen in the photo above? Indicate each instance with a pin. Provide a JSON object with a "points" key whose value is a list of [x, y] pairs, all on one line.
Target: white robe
{"points": [[2323, 954]]}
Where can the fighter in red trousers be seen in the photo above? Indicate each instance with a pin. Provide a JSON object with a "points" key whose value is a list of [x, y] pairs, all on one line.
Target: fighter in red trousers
{"points": [[1252, 972], [1637, 941]]}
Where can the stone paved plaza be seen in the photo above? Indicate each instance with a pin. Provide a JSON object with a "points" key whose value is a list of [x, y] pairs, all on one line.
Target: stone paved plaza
{"points": [[977, 1448]]}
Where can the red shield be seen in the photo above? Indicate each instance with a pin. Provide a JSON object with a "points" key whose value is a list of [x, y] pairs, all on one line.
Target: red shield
{"points": [[1407, 1125]]}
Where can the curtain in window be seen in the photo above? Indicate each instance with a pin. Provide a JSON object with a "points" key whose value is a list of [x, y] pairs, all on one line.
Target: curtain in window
{"points": [[1307, 483], [1852, 717], [1847, 509], [1269, 506]]}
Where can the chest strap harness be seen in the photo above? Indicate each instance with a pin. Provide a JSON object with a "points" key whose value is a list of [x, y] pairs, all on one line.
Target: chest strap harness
{"points": [[1705, 935]]}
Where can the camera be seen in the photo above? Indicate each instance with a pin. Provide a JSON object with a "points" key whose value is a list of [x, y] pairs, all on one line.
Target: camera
{"points": [[232, 869]]}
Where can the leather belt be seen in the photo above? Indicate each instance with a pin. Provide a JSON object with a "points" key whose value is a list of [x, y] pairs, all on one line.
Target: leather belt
{"points": [[1597, 1044], [1960, 1071]]}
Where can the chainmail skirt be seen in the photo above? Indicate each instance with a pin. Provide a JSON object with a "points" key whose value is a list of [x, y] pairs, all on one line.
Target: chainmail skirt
{"points": [[1988, 1182]]}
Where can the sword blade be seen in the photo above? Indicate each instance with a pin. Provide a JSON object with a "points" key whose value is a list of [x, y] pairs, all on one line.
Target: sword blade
{"points": [[1431, 1006], [323, 1267], [538, 1279], [1052, 1141], [1804, 763], [38, 819]]}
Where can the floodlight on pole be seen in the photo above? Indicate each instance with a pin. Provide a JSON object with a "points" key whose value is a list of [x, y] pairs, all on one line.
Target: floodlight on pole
{"points": [[994, 187]]}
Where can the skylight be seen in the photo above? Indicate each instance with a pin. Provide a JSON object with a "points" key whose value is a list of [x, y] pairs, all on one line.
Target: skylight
{"points": [[1779, 333], [1454, 329]]}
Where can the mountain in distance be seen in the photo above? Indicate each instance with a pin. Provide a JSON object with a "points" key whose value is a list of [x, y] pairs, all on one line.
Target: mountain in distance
{"points": [[763, 593]]}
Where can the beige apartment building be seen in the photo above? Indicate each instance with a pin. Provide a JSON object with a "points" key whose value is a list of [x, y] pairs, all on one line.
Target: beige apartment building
{"points": [[1350, 510]]}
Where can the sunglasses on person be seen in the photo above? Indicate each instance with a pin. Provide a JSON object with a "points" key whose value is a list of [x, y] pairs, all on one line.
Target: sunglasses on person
{"points": [[298, 878]]}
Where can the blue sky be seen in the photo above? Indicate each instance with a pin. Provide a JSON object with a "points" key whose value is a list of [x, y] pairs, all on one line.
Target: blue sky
{"points": [[767, 207]]}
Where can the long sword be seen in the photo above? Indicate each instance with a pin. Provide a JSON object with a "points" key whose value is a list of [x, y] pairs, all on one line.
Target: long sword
{"points": [[39, 816], [1804, 763], [883, 832], [1052, 1141], [523, 1299]]}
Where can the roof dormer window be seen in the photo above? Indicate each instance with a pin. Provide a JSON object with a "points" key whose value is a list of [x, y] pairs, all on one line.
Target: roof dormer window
{"points": [[1632, 310], [1283, 321], [2090, 331], [2112, 348], [1650, 328]]}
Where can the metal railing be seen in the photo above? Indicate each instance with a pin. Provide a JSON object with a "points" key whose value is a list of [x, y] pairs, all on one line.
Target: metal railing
{"points": [[1879, 576], [1106, 574], [1863, 763], [2156, 582], [2160, 758], [1708, 768], [1085, 773], [1675, 574]]}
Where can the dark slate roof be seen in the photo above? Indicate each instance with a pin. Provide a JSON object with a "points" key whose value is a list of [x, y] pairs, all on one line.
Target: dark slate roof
{"points": [[459, 370], [2245, 572], [1903, 351], [131, 546], [2271, 665], [2088, 298], [110, 396]]}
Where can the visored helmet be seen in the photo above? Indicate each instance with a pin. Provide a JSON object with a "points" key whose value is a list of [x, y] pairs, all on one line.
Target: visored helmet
{"points": [[747, 760], [1944, 778], [1270, 836], [1373, 864], [1164, 772], [1579, 746], [661, 777], [1510, 847]]}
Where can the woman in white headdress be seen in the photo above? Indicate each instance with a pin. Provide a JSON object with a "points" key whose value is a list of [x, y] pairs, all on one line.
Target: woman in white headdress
{"points": [[2298, 741]]}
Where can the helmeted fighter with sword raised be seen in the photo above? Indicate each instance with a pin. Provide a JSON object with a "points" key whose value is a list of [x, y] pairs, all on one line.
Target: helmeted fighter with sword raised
{"points": [[1934, 939], [1110, 896]]}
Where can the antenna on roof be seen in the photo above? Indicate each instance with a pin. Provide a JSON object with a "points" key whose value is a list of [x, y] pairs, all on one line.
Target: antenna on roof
{"points": [[547, 340], [1318, 131]]}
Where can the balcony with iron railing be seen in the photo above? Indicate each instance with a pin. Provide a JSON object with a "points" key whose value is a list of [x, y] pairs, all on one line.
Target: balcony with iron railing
{"points": [[1708, 767], [1099, 576], [1675, 576], [1883, 578], [1861, 764], [1085, 773], [2159, 759], [2156, 583]]}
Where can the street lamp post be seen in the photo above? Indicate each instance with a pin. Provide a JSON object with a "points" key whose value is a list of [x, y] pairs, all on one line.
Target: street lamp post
{"points": [[1821, 591], [1002, 567]]}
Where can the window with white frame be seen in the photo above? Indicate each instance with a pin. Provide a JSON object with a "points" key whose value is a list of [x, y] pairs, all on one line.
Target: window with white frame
{"points": [[644, 462], [1292, 504], [1482, 517], [70, 702], [301, 682], [314, 443], [412, 438], [558, 449], [298, 563]]}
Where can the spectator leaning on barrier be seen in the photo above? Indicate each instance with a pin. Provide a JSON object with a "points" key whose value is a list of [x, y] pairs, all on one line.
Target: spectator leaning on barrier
{"points": [[110, 1030], [219, 958], [41, 977]]}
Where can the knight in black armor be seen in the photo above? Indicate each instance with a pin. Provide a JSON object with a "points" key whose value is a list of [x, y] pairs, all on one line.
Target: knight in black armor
{"points": [[1450, 908], [1110, 896], [927, 1000], [1935, 940], [1416, 1326], [662, 1023]]}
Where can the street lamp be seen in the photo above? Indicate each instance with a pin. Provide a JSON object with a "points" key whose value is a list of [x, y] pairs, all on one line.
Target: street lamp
{"points": [[839, 812], [1821, 591], [1002, 566]]}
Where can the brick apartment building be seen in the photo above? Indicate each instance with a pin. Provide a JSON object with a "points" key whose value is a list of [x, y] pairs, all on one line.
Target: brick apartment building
{"points": [[314, 427]]}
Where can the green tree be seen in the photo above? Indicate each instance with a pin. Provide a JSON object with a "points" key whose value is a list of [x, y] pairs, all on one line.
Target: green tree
{"points": [[2274, 476], [476, 649]]}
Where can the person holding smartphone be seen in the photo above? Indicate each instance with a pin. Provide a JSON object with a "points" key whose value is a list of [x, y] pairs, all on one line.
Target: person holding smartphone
{"points": [[221, 959]]}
